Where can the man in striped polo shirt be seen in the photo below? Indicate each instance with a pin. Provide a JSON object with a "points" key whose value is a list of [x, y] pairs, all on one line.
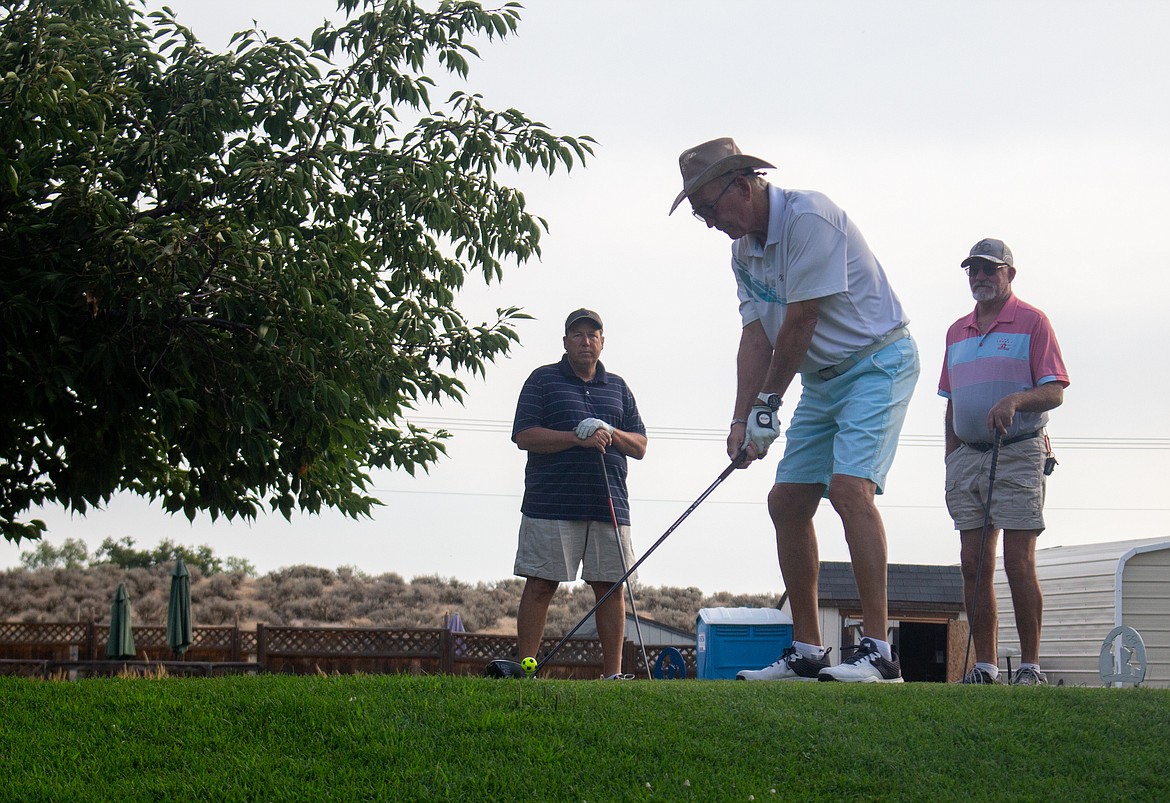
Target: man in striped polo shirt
{"points": [[570, 412], [1002, 373]]}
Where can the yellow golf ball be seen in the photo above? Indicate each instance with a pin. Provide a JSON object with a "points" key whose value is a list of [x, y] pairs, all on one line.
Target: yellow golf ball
{"points": [[528, 665]]}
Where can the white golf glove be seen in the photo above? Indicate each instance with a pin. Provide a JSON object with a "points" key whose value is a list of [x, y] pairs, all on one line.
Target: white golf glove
{"points": [[591, 425], [763, 427]]}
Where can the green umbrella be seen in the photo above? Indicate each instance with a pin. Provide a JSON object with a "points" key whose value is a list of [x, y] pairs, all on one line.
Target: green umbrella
{"points": [[121, 644], [179, 609]]}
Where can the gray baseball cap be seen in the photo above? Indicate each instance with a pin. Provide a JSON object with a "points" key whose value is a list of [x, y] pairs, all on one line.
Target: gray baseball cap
{"points": [[991, 250]]}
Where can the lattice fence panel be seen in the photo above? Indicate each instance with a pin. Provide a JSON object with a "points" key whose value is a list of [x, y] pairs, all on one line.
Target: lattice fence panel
{"points": [[576, 651], [64, 633], [470, 647], [213, 638], [152, 639], [351, 641]]}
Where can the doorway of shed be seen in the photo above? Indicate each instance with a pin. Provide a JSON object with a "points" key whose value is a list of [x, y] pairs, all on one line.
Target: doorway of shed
{"points": [[922, 648]]}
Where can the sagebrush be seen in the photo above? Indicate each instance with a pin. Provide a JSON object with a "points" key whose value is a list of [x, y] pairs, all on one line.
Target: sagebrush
{"points": [[309, 595]]}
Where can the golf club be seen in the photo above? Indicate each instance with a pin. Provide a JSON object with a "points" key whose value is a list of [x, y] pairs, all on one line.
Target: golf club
{"points": [[982, 545], [724, 475], [622, 552], [503, 668]]}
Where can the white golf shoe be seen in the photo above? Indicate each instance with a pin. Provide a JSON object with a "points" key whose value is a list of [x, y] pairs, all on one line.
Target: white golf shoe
{"points": [[789, 666], [865, 665]]}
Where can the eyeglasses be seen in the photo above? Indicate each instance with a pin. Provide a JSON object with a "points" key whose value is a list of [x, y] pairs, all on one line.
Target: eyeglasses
{"points": [[705, 211], [986, 268]]}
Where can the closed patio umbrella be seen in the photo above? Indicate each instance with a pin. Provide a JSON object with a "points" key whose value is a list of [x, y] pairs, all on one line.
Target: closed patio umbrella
{"points": [[120, 647], [179, 609]]}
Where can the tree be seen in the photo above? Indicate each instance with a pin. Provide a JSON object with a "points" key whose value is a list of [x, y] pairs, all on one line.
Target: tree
{"points": [[121, 553], [225, 278], [72, 554]]}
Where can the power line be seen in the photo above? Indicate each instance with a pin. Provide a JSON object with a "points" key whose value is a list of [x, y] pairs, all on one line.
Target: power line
{"points": [[702, 434], [758, 502]]}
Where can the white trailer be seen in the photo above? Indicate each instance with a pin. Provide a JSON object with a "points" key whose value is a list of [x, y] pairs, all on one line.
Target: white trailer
{"points": [[1089, 590]]}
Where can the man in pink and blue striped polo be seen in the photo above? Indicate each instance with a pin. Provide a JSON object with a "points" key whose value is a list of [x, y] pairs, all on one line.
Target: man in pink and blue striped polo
{"points": [[1002, 373]]}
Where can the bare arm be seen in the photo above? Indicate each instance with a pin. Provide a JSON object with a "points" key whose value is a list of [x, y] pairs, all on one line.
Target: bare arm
{"points": [[752, 361], [952, 440], [631, 444], [762, 366], [550, 441], [796, 333], [546, 441], [1040, 399]]}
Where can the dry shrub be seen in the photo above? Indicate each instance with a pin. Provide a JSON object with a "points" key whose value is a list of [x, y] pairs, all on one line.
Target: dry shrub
{"points": [[309, 595]]}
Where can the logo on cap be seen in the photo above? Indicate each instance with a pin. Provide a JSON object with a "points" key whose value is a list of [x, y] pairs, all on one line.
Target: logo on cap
{"points": [[992, 250]]}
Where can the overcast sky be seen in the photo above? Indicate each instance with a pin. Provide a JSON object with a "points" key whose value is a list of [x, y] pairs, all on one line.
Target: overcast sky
{"points": [[932, 124]]}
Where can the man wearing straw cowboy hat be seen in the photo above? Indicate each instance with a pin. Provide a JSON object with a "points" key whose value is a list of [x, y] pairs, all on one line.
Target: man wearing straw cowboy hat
{"points": [[814, 301]]}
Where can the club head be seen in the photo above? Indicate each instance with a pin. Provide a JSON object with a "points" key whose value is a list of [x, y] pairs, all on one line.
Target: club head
{"points": [[503, 668]]}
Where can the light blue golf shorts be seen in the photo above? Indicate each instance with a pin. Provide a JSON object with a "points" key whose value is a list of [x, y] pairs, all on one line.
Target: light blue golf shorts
{"points": [[850, 424]]}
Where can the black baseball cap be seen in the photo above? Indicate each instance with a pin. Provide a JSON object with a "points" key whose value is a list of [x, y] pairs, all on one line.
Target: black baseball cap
{"points": [[583, 315]]}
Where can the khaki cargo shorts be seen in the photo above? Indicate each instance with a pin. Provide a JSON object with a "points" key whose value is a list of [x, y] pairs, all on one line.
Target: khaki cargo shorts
{"points": [[1017, 501], [554, 549]]}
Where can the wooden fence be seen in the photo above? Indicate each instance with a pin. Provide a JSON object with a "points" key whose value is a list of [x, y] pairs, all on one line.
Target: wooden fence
{"points": [[86, 641], [52, 648]]}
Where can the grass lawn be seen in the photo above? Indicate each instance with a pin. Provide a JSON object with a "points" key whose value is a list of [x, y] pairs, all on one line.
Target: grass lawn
{"points": [[447, 738]]}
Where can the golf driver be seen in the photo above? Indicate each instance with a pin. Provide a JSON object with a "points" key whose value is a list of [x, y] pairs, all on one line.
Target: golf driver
{"points": [[982, 544], [622, 552]]}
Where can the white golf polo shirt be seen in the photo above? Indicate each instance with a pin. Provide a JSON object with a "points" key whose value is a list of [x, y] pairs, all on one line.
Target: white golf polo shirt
{"points": [[814, 251]]}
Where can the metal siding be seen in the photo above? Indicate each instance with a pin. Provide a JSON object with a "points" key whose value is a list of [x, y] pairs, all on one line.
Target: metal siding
{"points": [[1080, 600], [1145, 606]]}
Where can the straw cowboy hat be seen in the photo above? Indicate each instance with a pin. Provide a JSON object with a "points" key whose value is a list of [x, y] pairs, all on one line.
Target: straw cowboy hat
{"points": [[711, 160]]}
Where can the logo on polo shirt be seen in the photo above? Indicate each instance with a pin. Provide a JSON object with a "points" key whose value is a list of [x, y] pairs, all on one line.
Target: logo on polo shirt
{"points": [[1005, 344]]}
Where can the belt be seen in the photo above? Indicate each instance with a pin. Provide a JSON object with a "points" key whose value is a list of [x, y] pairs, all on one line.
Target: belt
{"points": [[892, 336], [987, 447]]}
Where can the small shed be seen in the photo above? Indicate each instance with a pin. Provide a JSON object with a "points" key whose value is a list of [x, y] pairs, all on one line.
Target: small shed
{"points": [[654, 633], [926, 617], [1088, 590]]}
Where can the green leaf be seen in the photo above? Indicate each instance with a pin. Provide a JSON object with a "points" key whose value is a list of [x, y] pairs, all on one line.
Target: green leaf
{"points": [[227, 267]]}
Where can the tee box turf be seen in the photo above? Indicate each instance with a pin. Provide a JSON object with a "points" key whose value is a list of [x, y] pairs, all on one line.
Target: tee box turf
{"points": [[731, 639]]}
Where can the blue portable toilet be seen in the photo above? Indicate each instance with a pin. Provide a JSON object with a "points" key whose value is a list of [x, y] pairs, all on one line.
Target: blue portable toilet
{"points": [[731, 639]]}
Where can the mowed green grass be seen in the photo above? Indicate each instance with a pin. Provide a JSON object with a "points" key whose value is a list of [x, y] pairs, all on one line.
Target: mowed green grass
{"points": [[275, 738]]}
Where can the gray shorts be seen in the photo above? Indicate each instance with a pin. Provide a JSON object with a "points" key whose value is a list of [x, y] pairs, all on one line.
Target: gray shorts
{"points": [[554, 549], [1017, 502]]}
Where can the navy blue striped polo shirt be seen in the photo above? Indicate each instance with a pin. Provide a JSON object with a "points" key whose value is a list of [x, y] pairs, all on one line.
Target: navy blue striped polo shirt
{"points": [[569, 484]]}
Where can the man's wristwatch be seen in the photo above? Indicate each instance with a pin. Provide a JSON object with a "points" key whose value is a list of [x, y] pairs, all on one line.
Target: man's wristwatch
{"points": [[770, 400]]}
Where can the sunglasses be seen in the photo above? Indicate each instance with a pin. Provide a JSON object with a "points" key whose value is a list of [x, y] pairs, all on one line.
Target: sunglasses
{"points": [[704, 212], [986, 268]]}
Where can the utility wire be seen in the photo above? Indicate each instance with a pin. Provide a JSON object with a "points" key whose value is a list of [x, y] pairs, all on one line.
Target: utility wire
{"points": [[757, 502], [701, 434]]}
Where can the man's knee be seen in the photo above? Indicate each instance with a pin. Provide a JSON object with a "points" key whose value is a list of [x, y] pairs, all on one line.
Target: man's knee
{"points": [[852, 495], [1019, 556], [788, 502], [537, 589]]}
